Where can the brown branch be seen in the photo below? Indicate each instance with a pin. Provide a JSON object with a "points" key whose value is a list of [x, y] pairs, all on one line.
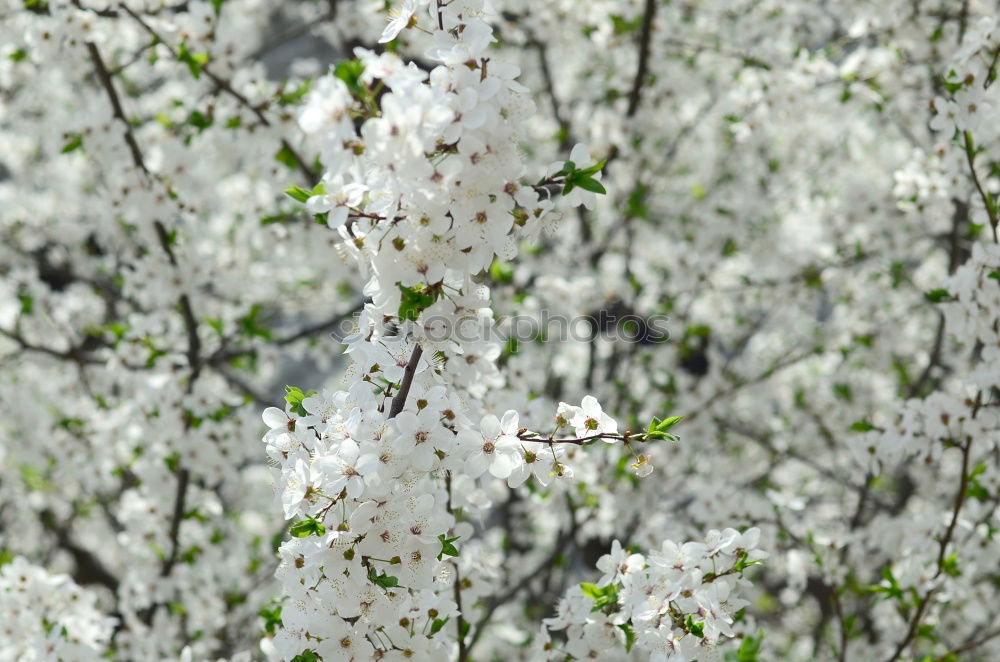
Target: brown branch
{"points": [[969, 645], [987, 200], [580, 441], [399, 400], [89, 568], [463, 651], [180, 498], [963, 487], [635, 95], [116, 105]]}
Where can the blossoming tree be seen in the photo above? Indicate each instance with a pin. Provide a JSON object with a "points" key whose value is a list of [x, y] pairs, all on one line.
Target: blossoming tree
{"points": [[764, 424]]}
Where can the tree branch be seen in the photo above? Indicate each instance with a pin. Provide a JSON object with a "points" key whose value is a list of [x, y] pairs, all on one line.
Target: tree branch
{"points": [[399, 400]]}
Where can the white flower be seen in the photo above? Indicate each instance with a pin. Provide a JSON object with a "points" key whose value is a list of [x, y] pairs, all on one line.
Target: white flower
{"points": [[618, 563], [495, 448], [946, 113], [337, 204], [417, 435], [400, 20], [346, 468], [296, 478], [972, 108], [589, 420]]}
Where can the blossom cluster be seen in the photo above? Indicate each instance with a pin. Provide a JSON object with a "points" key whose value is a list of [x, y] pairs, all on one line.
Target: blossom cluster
{"points": [[195, 194], [423, 182], [675, 603], [49, 617]]}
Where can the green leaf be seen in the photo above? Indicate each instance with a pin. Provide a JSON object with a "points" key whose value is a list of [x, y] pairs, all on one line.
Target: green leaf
{"points": [[590, 184], [413, 302], [272, 618], [447, 548], [306, 656], [75, 143], [298, 194], [306, 528], [629, 636], [501, 271], [568, 169], [695, 628], [382, 579], [592, 170], [199, 120], [250, 325], [750, 648], [286, 157], [294, 396], [438, 624], [657, 429], [975, 489], [296, 95], [938, 295], [668, 423], [950, 565], [173, 461], [194, 61], [862, 425], [602, 596], [350, 72]]}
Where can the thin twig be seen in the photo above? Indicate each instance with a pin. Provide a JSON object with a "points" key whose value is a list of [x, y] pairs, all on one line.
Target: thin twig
{"points": [[399, 400]]}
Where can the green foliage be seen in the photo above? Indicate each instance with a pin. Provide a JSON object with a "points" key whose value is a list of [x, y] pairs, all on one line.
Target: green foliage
{"points": [[296, 95], [975, 489], [286, 157], [749, 650], [250, 325], [414, 301], [937, 295], [307, 527], [294, 396], [272, 618], [74, 143], [501, 271], [696, 628], [382, 579], [602, 596], [583, 178], [199, 120], [195, 61], [629, 635], [350, 72], [447, 546], [302, 195], [658, 429]]}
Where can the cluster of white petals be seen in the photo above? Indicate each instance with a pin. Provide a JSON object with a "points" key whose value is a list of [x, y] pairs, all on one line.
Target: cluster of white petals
{"points": [[48, 617], [674, 604]]}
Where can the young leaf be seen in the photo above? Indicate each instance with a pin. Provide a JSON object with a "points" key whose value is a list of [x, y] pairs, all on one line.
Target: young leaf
{"points": [[306, 528]]}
